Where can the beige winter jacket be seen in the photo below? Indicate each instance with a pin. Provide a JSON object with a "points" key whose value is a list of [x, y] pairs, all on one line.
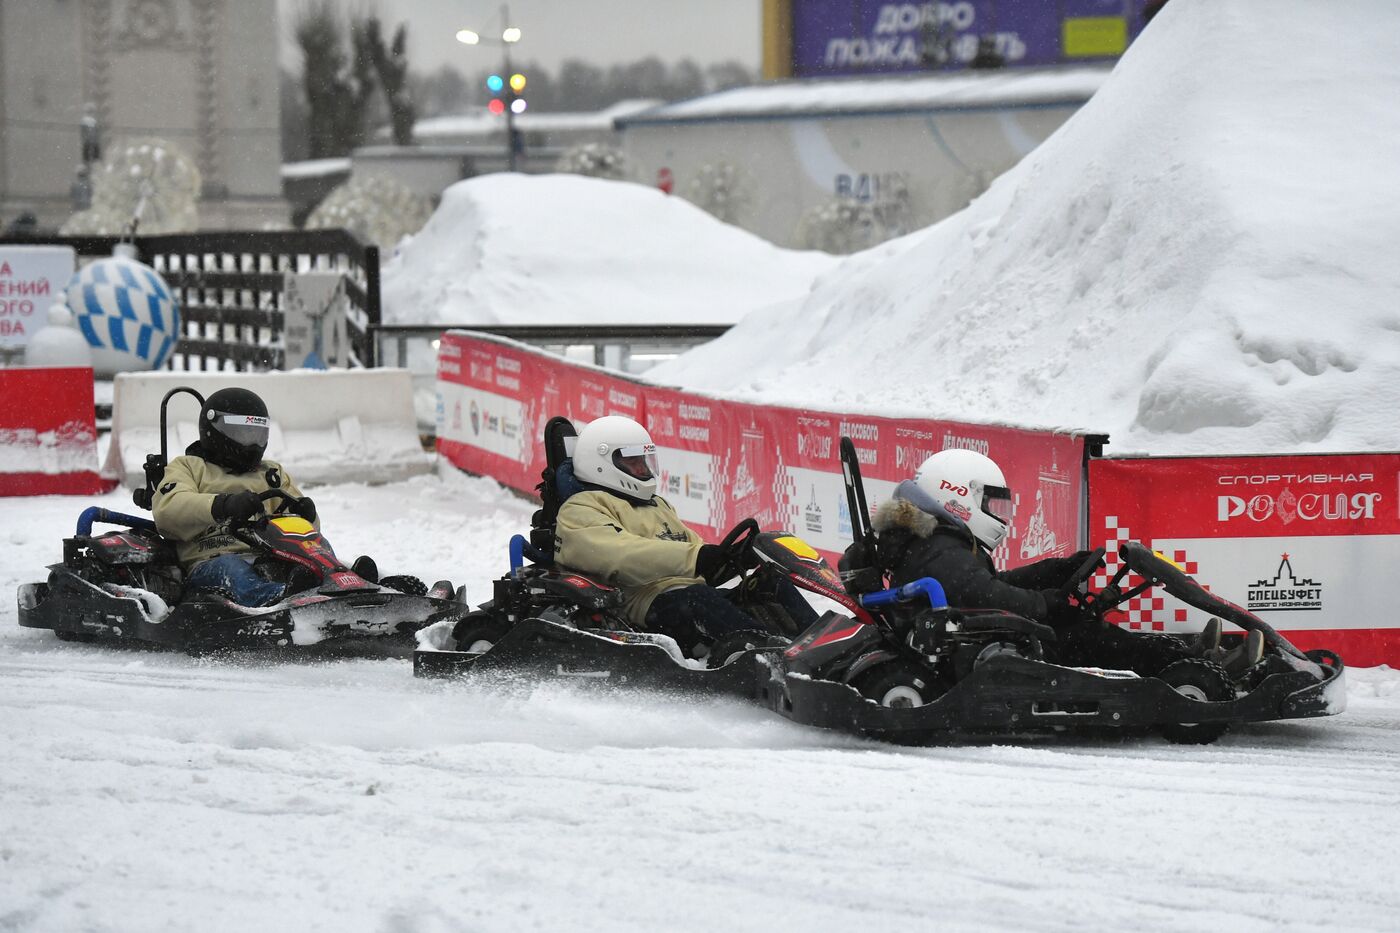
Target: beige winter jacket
{"points": [[186, 494], [644, 550]]}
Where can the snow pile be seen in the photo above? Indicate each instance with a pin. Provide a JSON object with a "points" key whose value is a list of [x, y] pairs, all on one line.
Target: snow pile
{"points": [[1201, 260], [563, 249]]}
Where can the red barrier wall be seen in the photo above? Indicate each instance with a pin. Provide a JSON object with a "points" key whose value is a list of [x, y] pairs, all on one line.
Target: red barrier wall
{"points": [[724, 461], [1307, 543], [48, 435]]}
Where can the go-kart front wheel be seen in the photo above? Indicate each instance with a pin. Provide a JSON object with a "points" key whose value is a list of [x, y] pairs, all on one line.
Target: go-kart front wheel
{"points": [[897, 685], [1205, 682], [479, 632]]}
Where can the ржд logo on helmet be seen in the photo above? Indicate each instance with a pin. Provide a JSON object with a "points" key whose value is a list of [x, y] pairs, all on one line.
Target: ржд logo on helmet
{"points": [[960, 490]]}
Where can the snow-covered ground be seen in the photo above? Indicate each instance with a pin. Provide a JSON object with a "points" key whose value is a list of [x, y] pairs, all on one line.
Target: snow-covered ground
{"points": [[150, 791], [1200, 260]]}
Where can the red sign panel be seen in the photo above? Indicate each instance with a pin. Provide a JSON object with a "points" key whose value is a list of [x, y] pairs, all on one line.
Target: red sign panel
{"points": [[1301, 541], [48, 433]]}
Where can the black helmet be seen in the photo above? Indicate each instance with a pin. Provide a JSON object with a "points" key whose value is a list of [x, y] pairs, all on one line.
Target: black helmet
{"points": [[233, 427]]}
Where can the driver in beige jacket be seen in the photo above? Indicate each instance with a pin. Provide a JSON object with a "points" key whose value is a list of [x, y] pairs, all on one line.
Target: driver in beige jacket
{"points": [[219, 480], [619, 532]]}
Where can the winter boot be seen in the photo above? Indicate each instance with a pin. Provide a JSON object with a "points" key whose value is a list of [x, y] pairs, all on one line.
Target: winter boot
{"points": [[1238, 660], [365, 567]]}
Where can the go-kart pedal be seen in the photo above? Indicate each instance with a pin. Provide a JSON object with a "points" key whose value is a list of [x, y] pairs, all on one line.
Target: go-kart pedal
{"points": [[1207, 642], [1239, 660]]}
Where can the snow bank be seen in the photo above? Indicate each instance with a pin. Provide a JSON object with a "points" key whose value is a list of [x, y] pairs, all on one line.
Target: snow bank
{"points": [[1201, 260], [565, 249]]}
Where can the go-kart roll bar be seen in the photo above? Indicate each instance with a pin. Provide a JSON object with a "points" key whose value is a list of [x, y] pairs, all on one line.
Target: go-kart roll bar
{"points": [[926, 586], [98, 514], [156, 464]]}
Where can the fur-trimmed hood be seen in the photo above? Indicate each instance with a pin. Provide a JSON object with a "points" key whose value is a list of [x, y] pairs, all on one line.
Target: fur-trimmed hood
{"points": [[901, 514]]}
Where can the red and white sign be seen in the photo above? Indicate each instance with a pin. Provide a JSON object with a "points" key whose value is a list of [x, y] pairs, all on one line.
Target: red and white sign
{"points": [[1307, 543], [48, 433], [31, 279], [723, 461]]}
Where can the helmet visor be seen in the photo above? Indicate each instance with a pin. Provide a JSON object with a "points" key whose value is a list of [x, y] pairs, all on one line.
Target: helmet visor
{"points": [[996, 502], [244, 430], [637, 461]]}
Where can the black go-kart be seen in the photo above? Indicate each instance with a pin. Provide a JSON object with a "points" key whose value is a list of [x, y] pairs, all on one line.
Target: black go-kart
{"points": [[126, 586], [905, 666], [544, 621]]}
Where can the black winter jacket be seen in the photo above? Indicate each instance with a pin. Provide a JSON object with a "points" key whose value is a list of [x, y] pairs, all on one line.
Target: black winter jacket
{"points": [[914, 544]]}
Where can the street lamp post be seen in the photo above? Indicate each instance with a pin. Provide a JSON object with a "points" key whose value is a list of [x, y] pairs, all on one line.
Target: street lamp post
{"points": [[509, 36]]}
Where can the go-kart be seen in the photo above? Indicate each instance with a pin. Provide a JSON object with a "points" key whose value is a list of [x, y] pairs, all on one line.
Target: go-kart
{"points": [[545, 621], [126, 586], [906, 666]]}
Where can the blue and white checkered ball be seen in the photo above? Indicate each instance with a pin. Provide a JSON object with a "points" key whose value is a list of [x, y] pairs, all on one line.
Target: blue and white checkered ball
{"points": [[126, 312]]}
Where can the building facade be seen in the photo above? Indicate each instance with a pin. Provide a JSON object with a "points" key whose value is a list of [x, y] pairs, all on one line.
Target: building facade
{"points": [[200, 74]]}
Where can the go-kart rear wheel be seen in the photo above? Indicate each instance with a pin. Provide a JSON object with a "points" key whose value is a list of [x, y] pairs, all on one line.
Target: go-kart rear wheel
{"points": [[1205, 682], [82, 637], [479, 632], [897, 685]]}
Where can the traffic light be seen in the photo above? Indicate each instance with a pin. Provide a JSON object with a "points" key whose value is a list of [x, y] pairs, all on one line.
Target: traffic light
{"points": [[506, 94], [496, 85]]}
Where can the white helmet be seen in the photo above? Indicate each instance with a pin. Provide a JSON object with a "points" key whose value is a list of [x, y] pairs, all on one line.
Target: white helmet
{"points": [[972, 488], [617, 453]]}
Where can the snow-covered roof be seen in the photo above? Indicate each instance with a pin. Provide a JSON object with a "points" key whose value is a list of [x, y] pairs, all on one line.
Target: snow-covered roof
{"points": [[480, 121], [973, 89]]}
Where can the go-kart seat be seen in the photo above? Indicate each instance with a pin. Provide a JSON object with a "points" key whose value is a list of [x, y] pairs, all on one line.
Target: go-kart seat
{"points": [[557, 484]]}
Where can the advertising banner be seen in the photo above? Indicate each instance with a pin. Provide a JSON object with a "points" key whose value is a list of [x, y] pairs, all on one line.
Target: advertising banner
{"points": [[31, 279], [848, 37], [315, 306], [723, 461], [1304, 542], [495, 396], [48, 433]]}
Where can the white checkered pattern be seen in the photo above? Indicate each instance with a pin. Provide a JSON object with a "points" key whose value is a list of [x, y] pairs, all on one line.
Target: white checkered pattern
{"points": [[1148, 611]]}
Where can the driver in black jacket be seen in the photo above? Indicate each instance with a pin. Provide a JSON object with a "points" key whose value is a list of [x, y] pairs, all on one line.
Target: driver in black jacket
{"points": [[945, 522]]}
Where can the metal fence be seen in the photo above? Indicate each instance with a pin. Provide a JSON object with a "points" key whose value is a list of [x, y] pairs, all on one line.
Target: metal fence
{"points": [[230, 287], [624, 347]]}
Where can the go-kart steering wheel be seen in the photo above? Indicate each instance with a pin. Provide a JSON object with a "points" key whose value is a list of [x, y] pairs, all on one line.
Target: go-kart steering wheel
{"points": [[737, 551], [288, 503], [1081, 575]]}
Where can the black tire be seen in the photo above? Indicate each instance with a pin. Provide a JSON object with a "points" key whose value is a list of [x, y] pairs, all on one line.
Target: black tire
{"points": [[80, 637], [1203, 681], [730, 646], [1154, 652], [898, 685], [478, 633], [405, 584]]}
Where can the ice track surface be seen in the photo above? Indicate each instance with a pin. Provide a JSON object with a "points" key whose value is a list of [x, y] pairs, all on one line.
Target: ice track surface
{"points": [[150, 791]]}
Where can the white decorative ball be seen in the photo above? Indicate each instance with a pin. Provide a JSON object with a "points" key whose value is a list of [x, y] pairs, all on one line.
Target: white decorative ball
{"points": [[126, 312], [58, 344]]}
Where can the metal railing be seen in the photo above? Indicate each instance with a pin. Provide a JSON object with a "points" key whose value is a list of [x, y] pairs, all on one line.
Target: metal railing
{"points": [[230, 288], [624, 347]]}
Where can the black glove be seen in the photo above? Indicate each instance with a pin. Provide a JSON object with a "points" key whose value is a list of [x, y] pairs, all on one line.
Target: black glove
{"points": [[1060, 610], [239, 506], [305, 508], [708, 562]]}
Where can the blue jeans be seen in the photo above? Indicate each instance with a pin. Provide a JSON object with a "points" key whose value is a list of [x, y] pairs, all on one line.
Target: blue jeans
{"points": [[233, 575], [701, 613]]}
